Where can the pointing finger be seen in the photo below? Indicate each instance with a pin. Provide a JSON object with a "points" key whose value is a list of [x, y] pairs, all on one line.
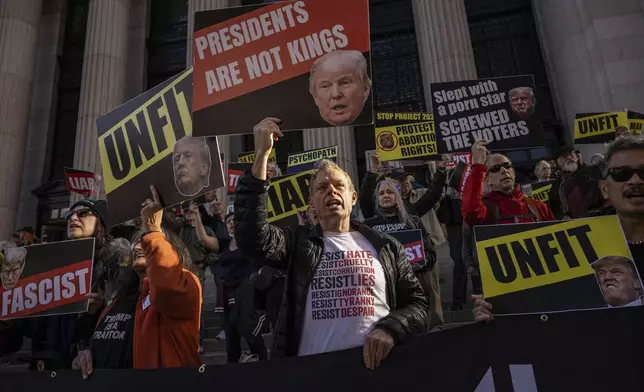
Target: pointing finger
{"points": [[155, 195]]}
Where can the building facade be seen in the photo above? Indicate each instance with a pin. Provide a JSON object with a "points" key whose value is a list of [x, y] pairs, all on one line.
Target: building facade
{"points": [[63, 63]]}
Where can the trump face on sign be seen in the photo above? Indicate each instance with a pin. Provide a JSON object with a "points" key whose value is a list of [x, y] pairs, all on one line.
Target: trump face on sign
{"points": [[619, 281], [340, 85], [12, 263], [191, 164]]}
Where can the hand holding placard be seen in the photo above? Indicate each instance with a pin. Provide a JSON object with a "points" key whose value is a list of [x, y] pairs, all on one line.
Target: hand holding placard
{"points": [[375, 162], [152, 212], [265, 134], [479, 153]]}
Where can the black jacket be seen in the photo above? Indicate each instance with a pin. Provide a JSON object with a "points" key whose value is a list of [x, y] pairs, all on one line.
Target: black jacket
{"points": [[298, 251], [586, 178]]}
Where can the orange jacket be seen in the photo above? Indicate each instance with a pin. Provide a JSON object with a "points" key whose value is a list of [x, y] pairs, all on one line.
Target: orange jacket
{"points": [[166, 326]]}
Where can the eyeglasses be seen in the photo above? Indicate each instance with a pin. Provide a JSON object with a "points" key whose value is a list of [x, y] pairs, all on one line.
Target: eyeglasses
{"points": [[623, 174], [497, 168], [84, 213]]}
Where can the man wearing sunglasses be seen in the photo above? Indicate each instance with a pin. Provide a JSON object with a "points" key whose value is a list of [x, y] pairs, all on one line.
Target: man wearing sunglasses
{"points": [[576, 193], [623, 188], [505, 203]]}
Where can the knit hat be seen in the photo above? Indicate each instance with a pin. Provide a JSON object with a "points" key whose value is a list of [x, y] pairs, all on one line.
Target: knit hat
{"points": [[98, 207]]}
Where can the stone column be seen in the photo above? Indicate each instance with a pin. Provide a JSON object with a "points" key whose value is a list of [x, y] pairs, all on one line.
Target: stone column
{"points": [[594, 51], [43, 102], [138, 32], [19, 22], [343, 138], [104, 70], [444, 43], [204, 5]]}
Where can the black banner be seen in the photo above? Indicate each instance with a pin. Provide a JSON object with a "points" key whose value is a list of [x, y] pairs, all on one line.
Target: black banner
{"points": [[501, 111], [46, 279], [563, 352]]}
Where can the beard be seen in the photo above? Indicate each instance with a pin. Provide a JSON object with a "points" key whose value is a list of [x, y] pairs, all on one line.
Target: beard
{"points": [[571, 167]]}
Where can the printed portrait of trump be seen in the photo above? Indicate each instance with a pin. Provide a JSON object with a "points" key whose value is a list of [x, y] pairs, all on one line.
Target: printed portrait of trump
{"points": [[522, 102], [12, 263], [191, 164], [619, 281], [340, 85]]}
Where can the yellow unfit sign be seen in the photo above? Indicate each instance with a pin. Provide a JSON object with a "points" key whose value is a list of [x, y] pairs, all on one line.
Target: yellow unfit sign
{"points": [[147, 134], [553, 253]]}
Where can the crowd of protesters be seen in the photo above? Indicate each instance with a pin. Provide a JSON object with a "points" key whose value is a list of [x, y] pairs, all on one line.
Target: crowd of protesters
{"points": [[145, 306]]}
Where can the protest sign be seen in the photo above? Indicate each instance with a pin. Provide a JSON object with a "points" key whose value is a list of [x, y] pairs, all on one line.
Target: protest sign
{"points": [[538, 190], [501, 111], [555, 266], [412, 241], [599, 127], [83, 182], [234, 171], [635, 122], [306, 160], [385, 166], [465, 157], [286, 196], [459, 176], [562, 353], [249, 157], [257, 60], [405, 135], [147, 141], [46, 279]]}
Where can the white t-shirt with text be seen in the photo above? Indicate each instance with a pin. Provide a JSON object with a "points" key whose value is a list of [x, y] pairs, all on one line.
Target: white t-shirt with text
{"points": [[347, 295]]}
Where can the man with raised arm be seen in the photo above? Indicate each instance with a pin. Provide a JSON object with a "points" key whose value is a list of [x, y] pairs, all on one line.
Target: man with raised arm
{"points": [[346, 285]]}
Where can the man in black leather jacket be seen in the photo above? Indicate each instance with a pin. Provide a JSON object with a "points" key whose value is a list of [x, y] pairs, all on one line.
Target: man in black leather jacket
{"points": [[346, 284]]}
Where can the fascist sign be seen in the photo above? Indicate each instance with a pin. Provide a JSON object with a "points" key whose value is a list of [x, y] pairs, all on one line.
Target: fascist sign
{"points": [[278, 60], [539, 190], [557, 266], [83, 182], [147, 141], [513, 354], [405, 135], [501, 111], [599, 127], [235, 170], [249, 157], [412, 241], [635, 122], [306, 160], [46, 279], [286, 196]]}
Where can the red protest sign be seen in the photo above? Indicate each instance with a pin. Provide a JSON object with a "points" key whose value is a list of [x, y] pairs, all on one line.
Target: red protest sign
{"points": [[254, 59], [85, 183]]}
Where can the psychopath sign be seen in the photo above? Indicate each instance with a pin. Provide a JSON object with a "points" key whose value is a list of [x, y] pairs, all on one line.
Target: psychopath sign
{"points": [[557, 266], [284, 60], [148, 141], [501, 111], [46, 279], [306, 160]]}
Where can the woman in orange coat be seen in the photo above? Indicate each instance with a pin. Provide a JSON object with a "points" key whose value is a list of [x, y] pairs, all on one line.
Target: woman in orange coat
{"points": [[153, 321]]}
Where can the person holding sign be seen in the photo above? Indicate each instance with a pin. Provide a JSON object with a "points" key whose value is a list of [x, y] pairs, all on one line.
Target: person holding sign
{"points": [[505, 203], [340, 86], [347, 285], [576, 193], [153, 321], [391, 216]]}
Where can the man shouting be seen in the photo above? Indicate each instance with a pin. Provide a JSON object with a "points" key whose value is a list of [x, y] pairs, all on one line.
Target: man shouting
{"points": [[346, 285]]}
